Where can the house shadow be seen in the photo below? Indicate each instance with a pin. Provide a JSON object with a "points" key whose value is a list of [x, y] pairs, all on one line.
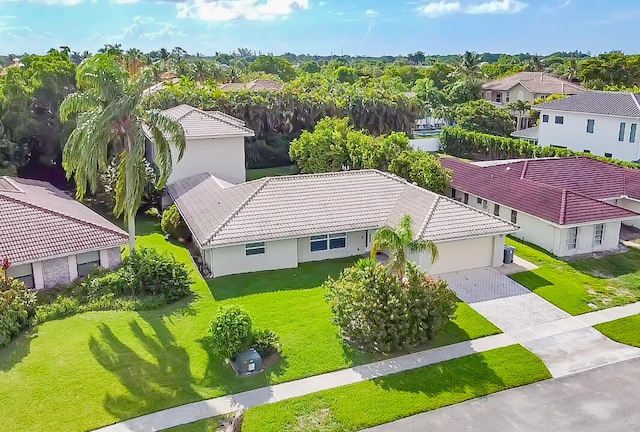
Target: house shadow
{"points": [[16, 350], [608, 265], [305, 276], [530, 280], [156, 376]]}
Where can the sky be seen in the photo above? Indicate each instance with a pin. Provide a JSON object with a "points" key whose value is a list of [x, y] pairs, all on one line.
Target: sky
{"points": [[324, 27]]}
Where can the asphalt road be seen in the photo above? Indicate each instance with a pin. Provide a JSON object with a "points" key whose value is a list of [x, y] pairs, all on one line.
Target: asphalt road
{"points": [[605, 399]]}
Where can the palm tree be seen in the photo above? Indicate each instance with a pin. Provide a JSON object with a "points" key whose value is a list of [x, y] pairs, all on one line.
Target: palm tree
{"points": [[398, 241], [520, 107], [535, 64], [109, 122], [469, 65]]}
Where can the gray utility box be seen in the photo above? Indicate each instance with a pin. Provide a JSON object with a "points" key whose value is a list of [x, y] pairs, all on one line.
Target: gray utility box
{"points": [[509, 251], [247, 362]]}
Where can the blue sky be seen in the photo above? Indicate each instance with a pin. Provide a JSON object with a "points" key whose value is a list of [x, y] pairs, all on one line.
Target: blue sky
{"points": [[368, 27]]}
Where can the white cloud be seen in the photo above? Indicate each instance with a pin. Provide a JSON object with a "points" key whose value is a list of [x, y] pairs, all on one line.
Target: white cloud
{"points": [[371, 12], [440, 8], [227, 10], [496, 7], [322, 3], [443, 7]]}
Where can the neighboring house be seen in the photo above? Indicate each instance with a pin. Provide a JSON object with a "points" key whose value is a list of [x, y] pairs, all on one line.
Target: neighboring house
{"points": [[215, 143], [160, 86], [255, 85], [279, 222], [568, 206], [598, 122], [49, 238], [527, 86], [528, 134]]}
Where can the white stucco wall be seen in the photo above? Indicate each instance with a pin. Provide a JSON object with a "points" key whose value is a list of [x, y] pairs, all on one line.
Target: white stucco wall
{"points": [[222, 156], [604, 139], [228, 260], [632, 205], [355, 246], [585, 240], [463, 255]]}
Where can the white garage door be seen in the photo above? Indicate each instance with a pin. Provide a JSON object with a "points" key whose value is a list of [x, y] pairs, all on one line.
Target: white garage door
{"points": [[462, 255]]}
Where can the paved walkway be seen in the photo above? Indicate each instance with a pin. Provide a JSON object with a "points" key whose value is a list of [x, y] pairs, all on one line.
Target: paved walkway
{"points": [[600, 400], [565, 344], [228, 404]]}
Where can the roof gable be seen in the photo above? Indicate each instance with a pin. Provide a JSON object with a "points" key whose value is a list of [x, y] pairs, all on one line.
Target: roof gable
{"points": [[305, 205], [207, 124]]}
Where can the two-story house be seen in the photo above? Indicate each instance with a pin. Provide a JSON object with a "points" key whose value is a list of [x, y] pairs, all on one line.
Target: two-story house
{"points": [[598, 122]]}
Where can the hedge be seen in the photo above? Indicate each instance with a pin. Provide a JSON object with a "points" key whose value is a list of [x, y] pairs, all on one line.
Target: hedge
{"points": [[458, 142]]}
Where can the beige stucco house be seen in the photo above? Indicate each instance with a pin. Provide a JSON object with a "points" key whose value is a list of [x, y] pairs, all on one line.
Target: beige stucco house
{"points": [[567, 206], [279, 222], [49, 238], [214, 143]]}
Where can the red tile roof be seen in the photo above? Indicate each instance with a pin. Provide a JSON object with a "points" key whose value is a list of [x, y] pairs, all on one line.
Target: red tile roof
{"points": [[38, 221], [564, 191]]}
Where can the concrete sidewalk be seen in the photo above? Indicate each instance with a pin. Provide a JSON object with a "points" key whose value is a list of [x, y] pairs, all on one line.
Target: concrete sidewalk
{"points": [[229, 404]]}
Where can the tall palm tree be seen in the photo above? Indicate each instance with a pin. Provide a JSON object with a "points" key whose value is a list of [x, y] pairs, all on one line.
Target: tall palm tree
{"points": [[469, 65], [398, 241], [109, 122], [520, 107]]}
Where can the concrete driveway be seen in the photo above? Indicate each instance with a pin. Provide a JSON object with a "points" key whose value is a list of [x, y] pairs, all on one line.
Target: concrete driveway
{"points": [[507, 304], [600, 400]]}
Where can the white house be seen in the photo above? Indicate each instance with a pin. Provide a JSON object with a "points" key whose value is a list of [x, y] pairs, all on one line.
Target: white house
{"points": [[598, 122], [215, 143], [49, 238], [278, 222], [568, 206]]}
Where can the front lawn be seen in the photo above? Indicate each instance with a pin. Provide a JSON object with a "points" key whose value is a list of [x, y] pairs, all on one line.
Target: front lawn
{"points": [[584, 285], [624, 330], [97, 368], [256, 173], [382, 400]]}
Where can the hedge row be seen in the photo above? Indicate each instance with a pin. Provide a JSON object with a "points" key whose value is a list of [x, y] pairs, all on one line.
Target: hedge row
{"points": [[466, 144]]}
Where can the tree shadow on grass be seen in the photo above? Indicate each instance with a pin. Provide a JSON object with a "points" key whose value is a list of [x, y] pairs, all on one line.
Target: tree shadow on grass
{"points": [[305, 276], [531, 280], [17, 349], [158, 378]]}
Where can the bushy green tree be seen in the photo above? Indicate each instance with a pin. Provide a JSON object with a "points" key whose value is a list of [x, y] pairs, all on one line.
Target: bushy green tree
{"points": [[17, 305], [274, 66], [231, 331], [423, 168], [484, 117], [380, 313], [173, 224]]}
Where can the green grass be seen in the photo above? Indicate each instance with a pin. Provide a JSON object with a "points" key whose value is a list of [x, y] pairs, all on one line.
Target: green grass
{"points": [[608, 281], [254, 174], [97, 368], [624, 330], [389, 398]]}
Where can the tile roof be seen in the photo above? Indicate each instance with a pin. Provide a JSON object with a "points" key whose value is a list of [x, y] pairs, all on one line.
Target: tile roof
{"points": [[564, 191], [528, 133], [205, 124], [257, 85], [535, 82], [39, 221], [597, 102], [304, 205]]}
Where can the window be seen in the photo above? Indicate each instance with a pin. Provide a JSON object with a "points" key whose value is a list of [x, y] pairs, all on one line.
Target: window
{"points": [[514, 216], [545, 118], [479, 200], [453, 193], [257, 248], [632, 133], [572, 238], [559, 120], [499, 97], [466, 198], [23, 272], [590, 124], [507, 97], [331, 241], [496, 209], [623, 126], [485, 204], [598, 234], [609, 155], [87, 262]]}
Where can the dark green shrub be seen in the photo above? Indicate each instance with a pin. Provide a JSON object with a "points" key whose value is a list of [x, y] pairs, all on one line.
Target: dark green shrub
{"points": [[378, 312], [153, 273], [265, 342], [231, 331], [173, 224], [17, 306]]}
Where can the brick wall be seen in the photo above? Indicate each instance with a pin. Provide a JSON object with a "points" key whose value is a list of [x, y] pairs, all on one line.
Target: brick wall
{"points": [[55, 271]]}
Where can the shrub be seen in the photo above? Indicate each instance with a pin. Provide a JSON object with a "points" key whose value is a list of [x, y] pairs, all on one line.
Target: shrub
{"points": [[17, 305], [230, 331], [173, 224], [379, 312], [152, 273], [265, 342]]}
